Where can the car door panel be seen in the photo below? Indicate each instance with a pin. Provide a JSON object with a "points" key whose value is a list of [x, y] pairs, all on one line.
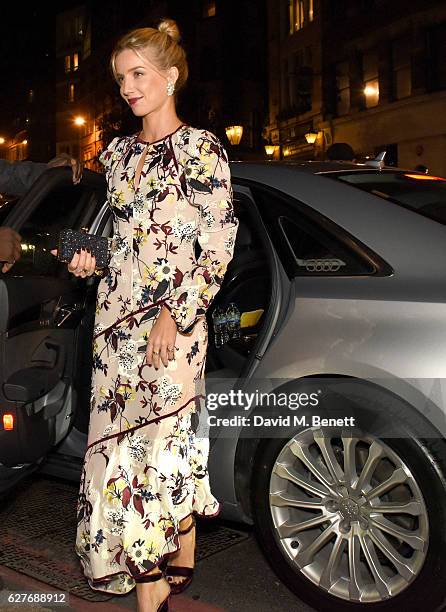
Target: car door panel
{"points": [[41, 314]]}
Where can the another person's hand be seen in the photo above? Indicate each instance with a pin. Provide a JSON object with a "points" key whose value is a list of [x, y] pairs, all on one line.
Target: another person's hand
{"points": [[83, 263], [10, 247], [63, 159], [161, 342]]}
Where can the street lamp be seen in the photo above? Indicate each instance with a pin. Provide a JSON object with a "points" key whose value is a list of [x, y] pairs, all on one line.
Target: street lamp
{"points": [[270, 149], [2, 140], [234, 134], [311, 136], [80, 121]]}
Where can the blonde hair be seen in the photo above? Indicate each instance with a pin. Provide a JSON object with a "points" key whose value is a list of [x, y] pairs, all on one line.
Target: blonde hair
{"points": [[159, 46]]}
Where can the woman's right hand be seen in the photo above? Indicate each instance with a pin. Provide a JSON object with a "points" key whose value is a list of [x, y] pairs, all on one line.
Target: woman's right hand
{"points": [[83, 263]]}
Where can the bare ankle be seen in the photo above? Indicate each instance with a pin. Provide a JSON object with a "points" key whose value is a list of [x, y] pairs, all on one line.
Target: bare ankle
{"points": [[151, 594]]}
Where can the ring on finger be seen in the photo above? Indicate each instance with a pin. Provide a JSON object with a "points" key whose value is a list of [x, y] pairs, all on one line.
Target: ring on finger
{"points": [[155, 352]]}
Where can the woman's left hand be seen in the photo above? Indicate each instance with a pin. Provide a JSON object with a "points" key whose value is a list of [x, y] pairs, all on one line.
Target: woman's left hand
{"points": [[161, 342]]}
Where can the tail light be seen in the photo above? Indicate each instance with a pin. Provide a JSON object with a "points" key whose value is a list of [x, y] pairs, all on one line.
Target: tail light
{"points": [[424, 177], [8, 421]]}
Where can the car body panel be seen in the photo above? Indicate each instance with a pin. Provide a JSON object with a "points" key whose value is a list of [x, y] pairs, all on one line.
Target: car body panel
{"points": [[414, 246], [357, 326]]}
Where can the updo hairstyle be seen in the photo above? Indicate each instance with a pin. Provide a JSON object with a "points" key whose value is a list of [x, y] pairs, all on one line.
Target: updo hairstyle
{"points": [[159, 46]]}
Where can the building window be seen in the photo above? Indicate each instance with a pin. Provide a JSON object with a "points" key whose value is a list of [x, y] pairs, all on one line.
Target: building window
{"points": [[209, 8], [75, 61], [370, 79], [208, 64], [303, 80], [78, 26], [67, 63], [342, 89], [301, 13], [437, 51], [297, 84], [299, 17], [285, 86], [311, 10], [71, 92], [401, 68], [290, 16]]}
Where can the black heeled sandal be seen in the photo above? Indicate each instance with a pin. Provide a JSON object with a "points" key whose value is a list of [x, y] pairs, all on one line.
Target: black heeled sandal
{"points": [[164, 605], [178, 570]]}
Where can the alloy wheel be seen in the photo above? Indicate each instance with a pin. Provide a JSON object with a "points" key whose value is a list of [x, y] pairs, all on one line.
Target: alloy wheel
{"points": [[349, 515]]}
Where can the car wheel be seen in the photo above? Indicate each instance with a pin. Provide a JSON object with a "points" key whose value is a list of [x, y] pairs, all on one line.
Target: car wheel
{"points": [[354, 523]]}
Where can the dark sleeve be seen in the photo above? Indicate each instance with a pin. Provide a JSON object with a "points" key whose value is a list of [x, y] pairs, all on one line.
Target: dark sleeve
{"points": [[17, 177]]}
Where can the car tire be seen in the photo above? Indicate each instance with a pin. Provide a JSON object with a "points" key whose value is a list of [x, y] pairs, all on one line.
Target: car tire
{"points": [[426, 462]]}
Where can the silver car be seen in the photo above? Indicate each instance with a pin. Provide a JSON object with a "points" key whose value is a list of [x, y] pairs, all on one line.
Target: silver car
{"points": [[339, 274]]}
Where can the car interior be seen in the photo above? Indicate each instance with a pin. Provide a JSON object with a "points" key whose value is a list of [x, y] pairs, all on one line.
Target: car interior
{"points": [[247, 284], [43, 317]]}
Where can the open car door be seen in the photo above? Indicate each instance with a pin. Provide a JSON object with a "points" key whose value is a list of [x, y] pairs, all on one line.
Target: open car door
{"points": [[43, 329]]}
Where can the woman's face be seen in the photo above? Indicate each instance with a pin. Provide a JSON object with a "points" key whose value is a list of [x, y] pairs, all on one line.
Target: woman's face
{"points": [[141, 85]]}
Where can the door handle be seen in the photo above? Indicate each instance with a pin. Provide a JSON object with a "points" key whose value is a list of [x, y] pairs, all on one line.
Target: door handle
{"points": [[64, 312]]}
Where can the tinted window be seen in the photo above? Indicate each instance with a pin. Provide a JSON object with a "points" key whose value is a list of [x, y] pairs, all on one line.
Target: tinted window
{"points": [[307, 242], [6, 204], [63, 207], [421, 193], [317, 252]]}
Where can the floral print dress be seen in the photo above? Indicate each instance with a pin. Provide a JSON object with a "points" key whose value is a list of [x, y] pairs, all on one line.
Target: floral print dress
{"points": [[145, 469]]}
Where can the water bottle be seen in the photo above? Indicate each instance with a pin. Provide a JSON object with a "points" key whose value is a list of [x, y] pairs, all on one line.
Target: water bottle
{"points": [[233, 320], [218, 321], [224, 327]]}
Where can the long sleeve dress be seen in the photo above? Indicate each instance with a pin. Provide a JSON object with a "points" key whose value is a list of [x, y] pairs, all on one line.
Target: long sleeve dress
{"points": [[145, 469]]}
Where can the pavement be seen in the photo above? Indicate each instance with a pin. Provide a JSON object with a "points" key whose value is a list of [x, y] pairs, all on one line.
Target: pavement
{"points": [[235, 579]]}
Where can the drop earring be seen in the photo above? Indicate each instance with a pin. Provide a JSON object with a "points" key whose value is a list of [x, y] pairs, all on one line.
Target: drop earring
{"points": [[170, 88]]}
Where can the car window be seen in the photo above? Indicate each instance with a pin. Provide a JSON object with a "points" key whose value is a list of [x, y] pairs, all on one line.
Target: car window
{"points": [[422, 193], [308, 243], [64, 207], [6, 204], [315, 252]]}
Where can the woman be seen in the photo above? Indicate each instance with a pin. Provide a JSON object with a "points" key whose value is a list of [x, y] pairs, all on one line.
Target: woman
{"points": [[145, 471]]}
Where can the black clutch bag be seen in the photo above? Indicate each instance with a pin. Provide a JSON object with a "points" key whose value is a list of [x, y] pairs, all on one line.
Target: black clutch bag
{"points": [[70, 241]]}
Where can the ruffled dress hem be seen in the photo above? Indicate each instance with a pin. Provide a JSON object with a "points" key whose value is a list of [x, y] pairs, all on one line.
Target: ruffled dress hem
{"points": [[95, 583]]}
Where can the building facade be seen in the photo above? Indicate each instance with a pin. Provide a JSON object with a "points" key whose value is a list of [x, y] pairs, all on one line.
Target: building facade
{"points": [[378, 78], [225, 45], [27, 97]]}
